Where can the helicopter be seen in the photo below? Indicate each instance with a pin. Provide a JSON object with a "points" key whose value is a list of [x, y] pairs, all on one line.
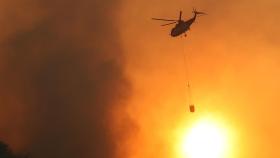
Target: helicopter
{"points": [[182, 26]]}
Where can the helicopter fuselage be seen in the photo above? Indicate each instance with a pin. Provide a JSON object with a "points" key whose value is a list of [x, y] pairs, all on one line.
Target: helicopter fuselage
{"points": [[182, 27]]}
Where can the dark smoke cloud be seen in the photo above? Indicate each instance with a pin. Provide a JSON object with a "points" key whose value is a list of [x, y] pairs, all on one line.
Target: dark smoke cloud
{"points": [[62, 77]]}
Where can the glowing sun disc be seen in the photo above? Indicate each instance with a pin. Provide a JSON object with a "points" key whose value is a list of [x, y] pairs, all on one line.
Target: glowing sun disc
{"points": [[204, 140]]}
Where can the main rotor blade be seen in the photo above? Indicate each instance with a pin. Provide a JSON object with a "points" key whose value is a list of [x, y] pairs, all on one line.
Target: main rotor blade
{"points": [[168, 24], [180, 16], [163, 19]]}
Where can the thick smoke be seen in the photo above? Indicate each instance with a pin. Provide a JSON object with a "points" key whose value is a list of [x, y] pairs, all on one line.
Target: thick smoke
{"points": [[62, 78]]}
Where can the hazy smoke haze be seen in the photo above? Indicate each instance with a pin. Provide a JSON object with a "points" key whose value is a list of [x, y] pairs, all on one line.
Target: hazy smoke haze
{"points": [[63, 85]]}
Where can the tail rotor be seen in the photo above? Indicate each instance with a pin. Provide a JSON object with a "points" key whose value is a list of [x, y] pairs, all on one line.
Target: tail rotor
{"points": [[198, 13]]}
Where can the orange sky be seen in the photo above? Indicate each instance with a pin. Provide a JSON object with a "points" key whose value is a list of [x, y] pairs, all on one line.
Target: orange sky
{"points": [[234, 71]]}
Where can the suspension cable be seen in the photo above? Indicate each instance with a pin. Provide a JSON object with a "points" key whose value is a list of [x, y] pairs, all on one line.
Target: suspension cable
{"points": [[186, 59]]}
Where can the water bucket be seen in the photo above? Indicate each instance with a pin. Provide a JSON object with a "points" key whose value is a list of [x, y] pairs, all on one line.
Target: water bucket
{"points": [[192, 108]]}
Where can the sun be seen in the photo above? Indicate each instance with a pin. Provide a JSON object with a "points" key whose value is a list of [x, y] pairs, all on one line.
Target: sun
{"points": [[206, 138]]}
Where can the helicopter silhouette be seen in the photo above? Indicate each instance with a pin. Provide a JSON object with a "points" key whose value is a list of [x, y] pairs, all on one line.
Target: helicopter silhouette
{"points": [[182, 26]]}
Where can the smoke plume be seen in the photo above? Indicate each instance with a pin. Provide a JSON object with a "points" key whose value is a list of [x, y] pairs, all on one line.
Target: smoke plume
{"points": [[62, 78]]}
